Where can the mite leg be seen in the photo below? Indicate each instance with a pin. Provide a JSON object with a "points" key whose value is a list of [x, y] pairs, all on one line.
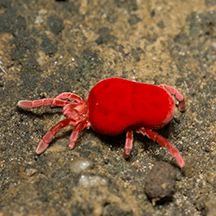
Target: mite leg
{"points": [[80, 126], [42, 103], [179, 97], [69, 96], [163, 142], [51, 133], [128, 144]]}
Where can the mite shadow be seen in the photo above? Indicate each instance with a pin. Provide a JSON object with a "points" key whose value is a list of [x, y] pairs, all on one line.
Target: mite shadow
{"points": [[115, 142], [118, 142], [40, 113]]}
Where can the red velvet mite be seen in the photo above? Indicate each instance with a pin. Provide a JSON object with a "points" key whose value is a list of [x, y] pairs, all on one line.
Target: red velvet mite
{"points": [[113, 106]]}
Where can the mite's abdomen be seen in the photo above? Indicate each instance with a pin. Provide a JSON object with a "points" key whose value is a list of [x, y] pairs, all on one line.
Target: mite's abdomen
{"points": [[117, 104]]}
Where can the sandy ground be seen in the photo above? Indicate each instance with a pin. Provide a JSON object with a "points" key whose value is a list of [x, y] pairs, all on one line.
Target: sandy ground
{"points": [[49, 47]]}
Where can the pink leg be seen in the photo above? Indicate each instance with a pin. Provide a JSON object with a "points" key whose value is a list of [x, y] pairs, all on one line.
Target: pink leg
{"points": [[51, 133], [69, 96], [41, 103], [179, 97], [80, 126], [128, 144], [163, 142]]}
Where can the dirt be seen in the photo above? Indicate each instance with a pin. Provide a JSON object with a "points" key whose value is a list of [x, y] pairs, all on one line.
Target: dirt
{"points": [[49, 47]]}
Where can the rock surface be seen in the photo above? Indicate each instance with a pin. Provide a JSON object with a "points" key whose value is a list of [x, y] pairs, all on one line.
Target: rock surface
{"points": [[49, 47]]}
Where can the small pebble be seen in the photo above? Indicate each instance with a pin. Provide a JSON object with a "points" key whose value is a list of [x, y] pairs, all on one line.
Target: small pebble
{"points": [[160, 182], [92, 181], [31, 171], [78, 166]]}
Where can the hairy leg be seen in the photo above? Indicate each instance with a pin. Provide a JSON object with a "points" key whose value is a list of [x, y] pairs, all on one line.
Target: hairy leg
{"points": [[179, 97], [163, 142], [69, 96], [51, 133], [42, 103], [128, 143], [80, 126]]}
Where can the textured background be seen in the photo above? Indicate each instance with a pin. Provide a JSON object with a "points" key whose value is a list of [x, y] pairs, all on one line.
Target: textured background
{"points": [[48, 47]]}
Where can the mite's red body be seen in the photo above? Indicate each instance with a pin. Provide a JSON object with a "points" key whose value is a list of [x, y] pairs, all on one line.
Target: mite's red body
{"points": [[116, 105], [113, 106]]}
